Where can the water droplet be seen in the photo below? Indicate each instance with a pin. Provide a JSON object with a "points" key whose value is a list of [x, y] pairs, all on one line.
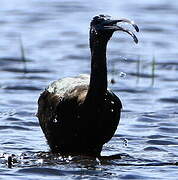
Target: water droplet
{"points": [[40, 161], [112, 110], [123, 58], [112, 81], [70, 158], [98, 161], [122, 74], [125, 142], [5, 156], [112, 102]]}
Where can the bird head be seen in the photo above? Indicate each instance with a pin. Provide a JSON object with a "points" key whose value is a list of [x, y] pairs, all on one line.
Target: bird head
{"points": [[102, 27]]}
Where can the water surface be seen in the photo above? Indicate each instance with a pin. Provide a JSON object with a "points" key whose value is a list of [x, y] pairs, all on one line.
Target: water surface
{"points": [[55, 39]]}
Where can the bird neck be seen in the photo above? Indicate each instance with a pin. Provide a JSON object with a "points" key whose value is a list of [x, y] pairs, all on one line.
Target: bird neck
{"points": [[98, 76]]}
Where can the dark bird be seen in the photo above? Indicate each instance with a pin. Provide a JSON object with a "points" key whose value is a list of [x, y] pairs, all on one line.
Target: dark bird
{"points": [[78, 115]]}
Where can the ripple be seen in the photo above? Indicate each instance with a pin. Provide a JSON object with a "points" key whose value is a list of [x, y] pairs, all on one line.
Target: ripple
{"points": [[13, 119], [144, 126], [151, 148], [167, 65], [154, 29], [157, 136], [33, 124], [158, 115], [21, 87], [147, 119], [42, 170], [26, 76], [10, 60], [15, 127], [161, 142], [76, 57], [24, 113], [169, 130], [21, 70], [144, 75], [134, 176], [130, 90], [169, 100]]}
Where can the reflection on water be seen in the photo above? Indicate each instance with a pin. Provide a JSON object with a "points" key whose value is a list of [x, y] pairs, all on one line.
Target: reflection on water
{"points": [[144, 76]]}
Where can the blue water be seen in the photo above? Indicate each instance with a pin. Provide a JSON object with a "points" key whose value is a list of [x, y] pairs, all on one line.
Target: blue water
{"points": [[55, 39]]}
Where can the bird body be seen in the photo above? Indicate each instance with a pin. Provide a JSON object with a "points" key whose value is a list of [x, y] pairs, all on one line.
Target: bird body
{"points": [[78, 115], [70, 125]]}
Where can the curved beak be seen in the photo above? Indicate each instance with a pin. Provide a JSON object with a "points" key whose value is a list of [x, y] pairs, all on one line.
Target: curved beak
{"points": [[112, 25]]}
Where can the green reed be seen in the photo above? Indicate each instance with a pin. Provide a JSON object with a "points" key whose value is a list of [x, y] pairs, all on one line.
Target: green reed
{"points": [[23, 55], [153, 68]]}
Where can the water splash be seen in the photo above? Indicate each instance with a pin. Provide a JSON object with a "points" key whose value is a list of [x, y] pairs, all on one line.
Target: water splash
{"points": [[55, 120], [122, 74], [123, 58], [10, 112]]}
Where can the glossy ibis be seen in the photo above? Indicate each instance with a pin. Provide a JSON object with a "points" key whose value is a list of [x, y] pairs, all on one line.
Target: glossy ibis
{"points": [[78, 115]]}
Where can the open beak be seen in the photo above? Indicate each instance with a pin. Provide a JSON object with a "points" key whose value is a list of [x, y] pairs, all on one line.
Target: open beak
{"points": [[112, 25]]}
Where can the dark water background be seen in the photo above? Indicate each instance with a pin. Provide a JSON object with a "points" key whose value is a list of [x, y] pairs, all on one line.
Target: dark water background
{"points": [[55, 39]]}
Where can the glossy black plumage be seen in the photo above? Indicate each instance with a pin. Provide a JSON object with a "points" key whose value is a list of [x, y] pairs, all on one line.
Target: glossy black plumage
{"points": [[78, 115]]}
